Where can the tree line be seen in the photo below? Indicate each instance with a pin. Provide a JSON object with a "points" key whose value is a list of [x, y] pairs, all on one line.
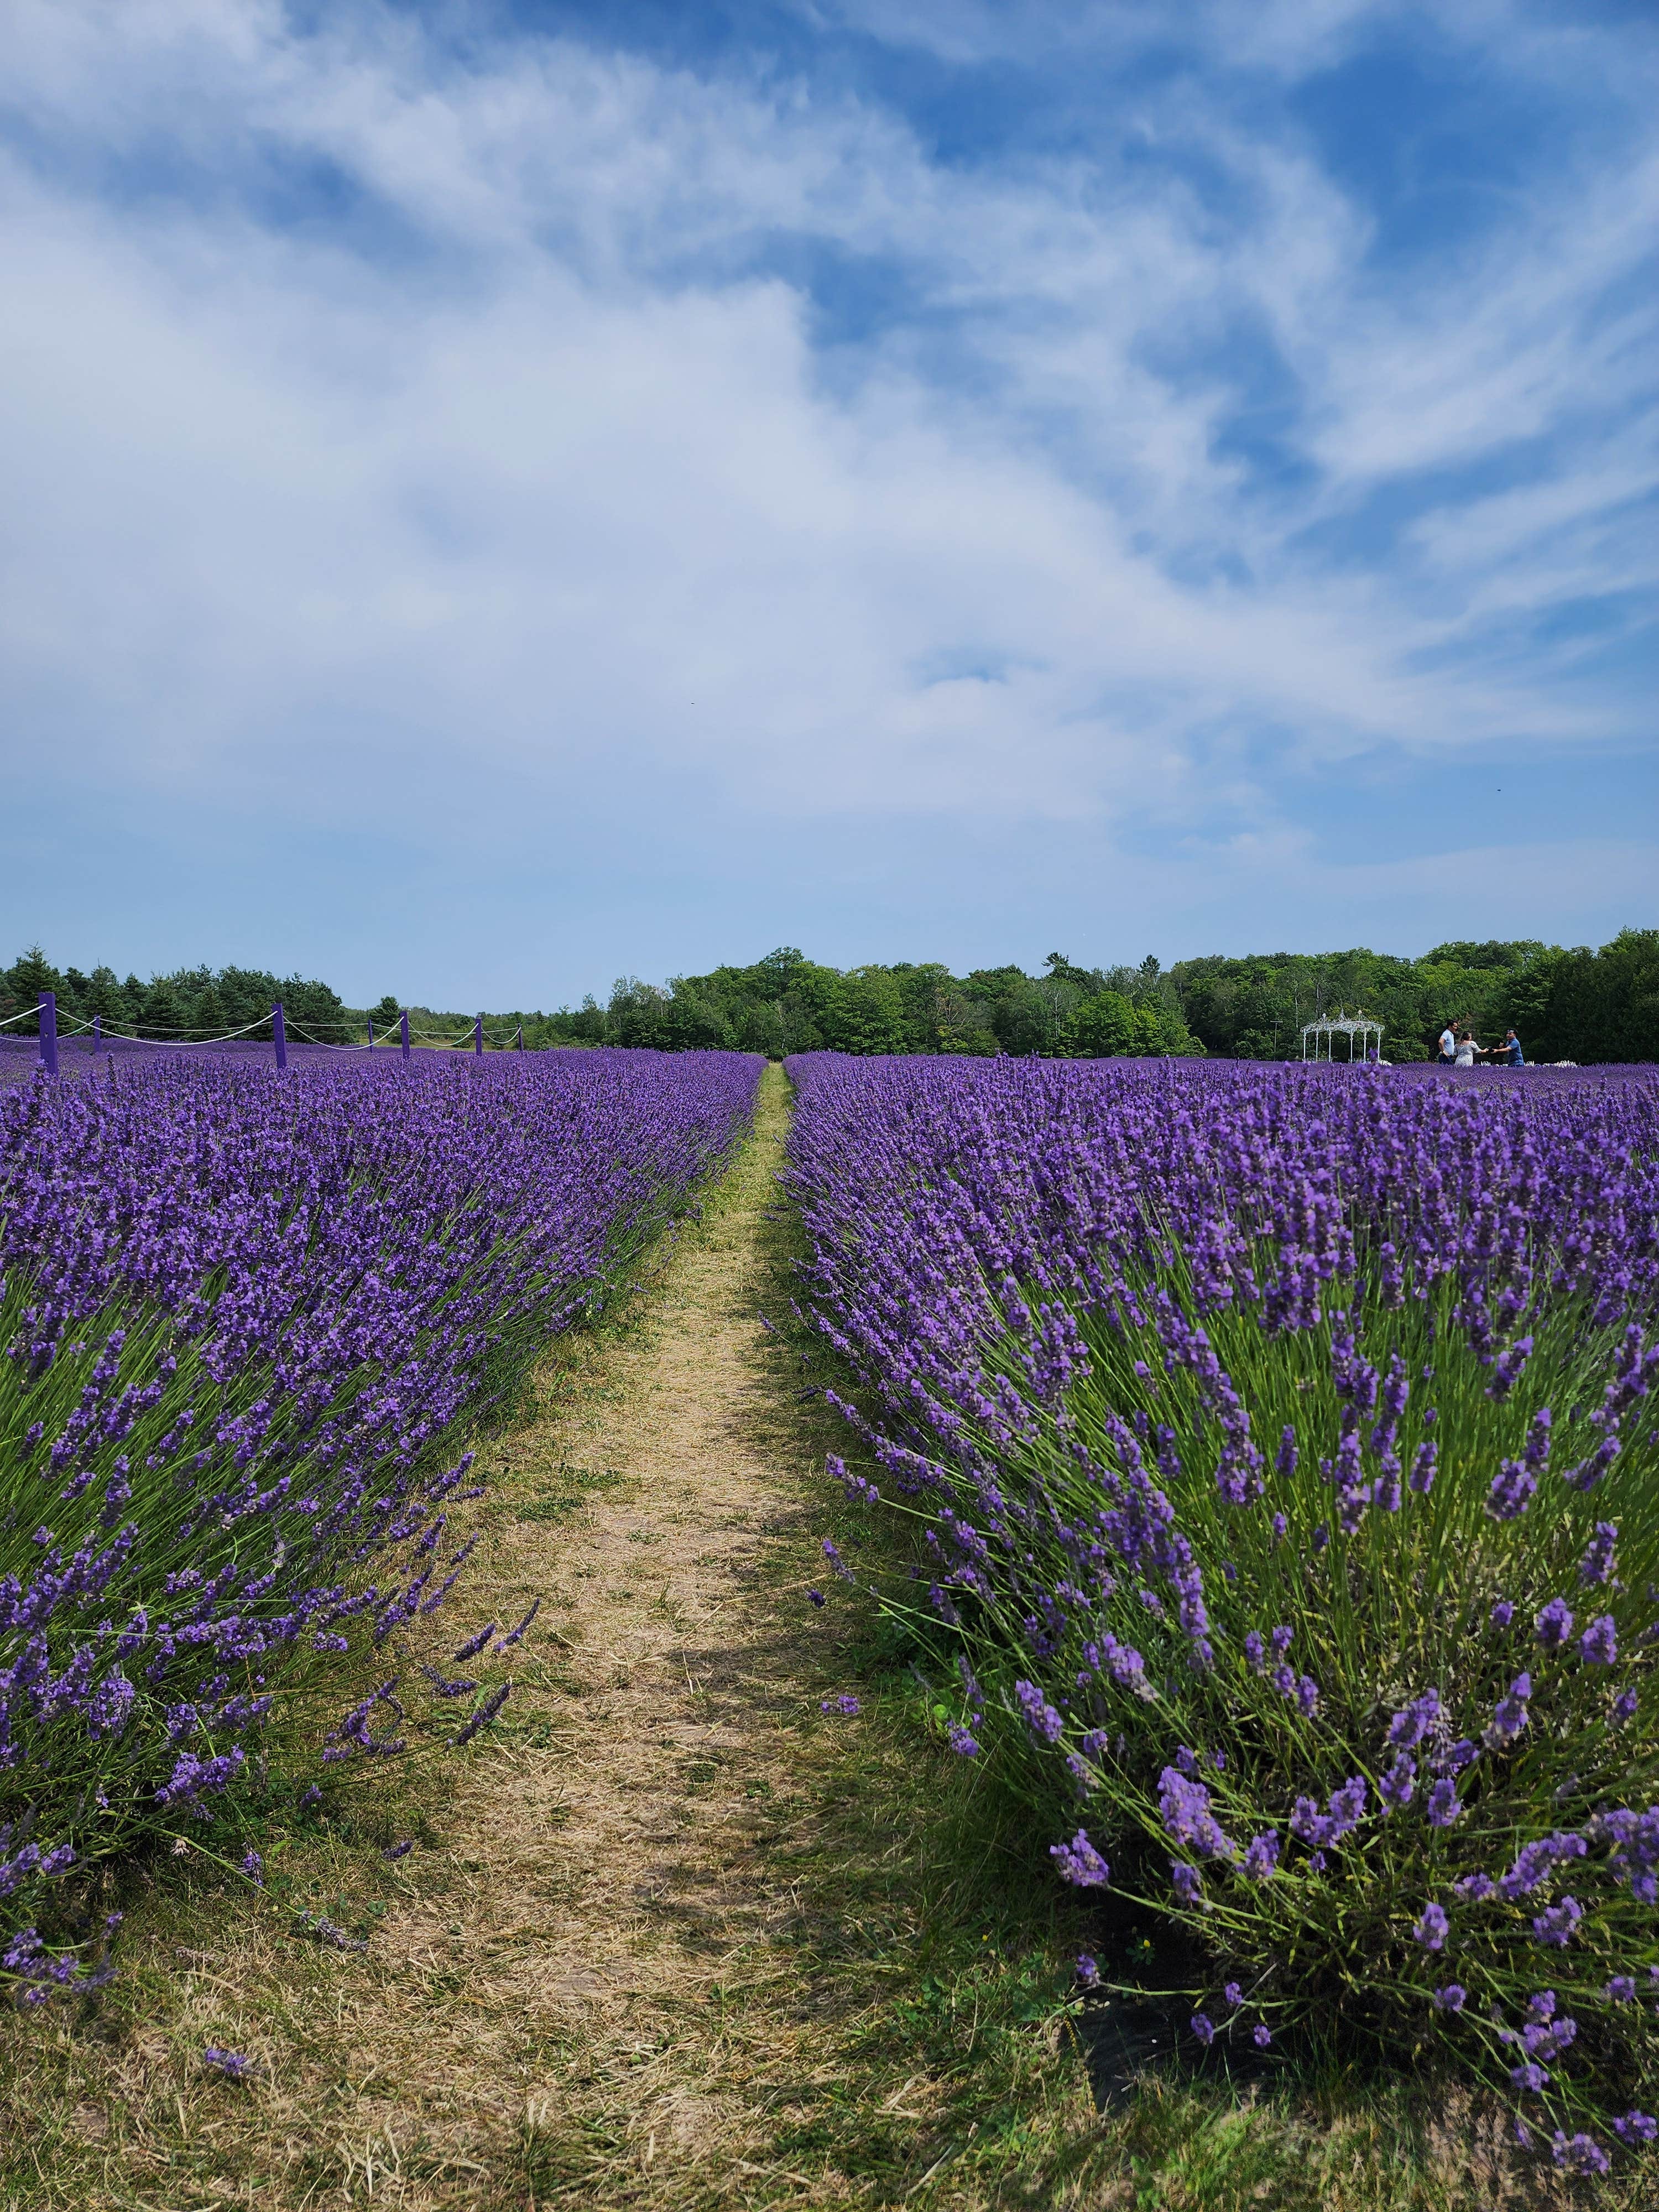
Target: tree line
{"points": [[189, 1004], [1565, 1003]]}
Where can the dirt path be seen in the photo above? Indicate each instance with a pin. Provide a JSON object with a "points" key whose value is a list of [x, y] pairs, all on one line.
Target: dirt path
{"points": [[539, 2020]]}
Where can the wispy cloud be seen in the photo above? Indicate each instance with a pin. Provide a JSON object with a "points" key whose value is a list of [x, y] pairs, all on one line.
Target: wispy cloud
{"points": [[430, 413]]}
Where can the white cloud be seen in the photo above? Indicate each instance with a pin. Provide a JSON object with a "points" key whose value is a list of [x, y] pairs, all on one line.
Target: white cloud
{"points": [[527, 457]]}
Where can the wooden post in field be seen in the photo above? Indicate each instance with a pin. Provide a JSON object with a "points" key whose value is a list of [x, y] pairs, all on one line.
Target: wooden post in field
{"points": [[280, 1033], [477, 1037], [402, 1032], [49, 1032]]}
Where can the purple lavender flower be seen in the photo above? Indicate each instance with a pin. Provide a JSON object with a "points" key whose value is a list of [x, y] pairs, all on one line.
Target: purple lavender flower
{"points": [[1622, 1990], [482, 1716], [1554, 1623], [1636, 2127], [1507, 1367], [1451, 1998], [1597, 1565], [1087, 1970], [1080, 1863], [1510, 1716], [1579, 2154], [1535, 1862], [1187, 1881], [844, 1703], [1045, 1724], [1599, 1644], [234, 2065], [1397, 1785], [1503, 1613], [962, 1740], [1545, 2039], [1513, 1488], [515, 1635], [1185, 1806], [1559, 1923], [1261, 1856], [1345, 1808], [1445, 1806], [1261, 2035], [1529, 2077], [859, 1489], [1204, 2028], [1432, 1929], [320, 1929], [1414, 1722]]}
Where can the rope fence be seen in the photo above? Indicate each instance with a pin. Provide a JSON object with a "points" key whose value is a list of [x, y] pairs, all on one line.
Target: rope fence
{"points": [[170, 1040]]}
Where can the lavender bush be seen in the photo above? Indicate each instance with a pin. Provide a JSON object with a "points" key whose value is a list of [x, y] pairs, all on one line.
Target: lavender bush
{"points": [[242, 1316], [1281, 1445]]}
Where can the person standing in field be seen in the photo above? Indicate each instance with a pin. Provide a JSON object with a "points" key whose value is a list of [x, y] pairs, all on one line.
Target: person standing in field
{"points": [[1466, 1050], [1448, 1045], [1510, 1051]]}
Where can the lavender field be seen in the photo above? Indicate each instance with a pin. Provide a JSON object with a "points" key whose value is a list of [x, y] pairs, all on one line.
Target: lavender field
{"points": [[1253, 1466], [1275, 1452], [247, 1319]]}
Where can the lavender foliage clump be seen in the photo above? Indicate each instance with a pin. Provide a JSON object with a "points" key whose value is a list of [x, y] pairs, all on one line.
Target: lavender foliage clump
{"points": [[1330, 1393], [244, 1317]]}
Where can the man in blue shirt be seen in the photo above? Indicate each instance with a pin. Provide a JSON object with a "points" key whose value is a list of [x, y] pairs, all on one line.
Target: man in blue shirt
{"points": [[1511, 1049]]}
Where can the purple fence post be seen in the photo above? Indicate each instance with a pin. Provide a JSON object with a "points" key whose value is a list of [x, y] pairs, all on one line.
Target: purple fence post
{"points": [[280, 1033], [49, 1032], [477, 1037], [403, 1030]]}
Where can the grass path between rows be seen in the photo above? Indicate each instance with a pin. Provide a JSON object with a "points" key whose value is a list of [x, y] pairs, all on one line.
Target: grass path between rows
{"points": [[672, 1937]]}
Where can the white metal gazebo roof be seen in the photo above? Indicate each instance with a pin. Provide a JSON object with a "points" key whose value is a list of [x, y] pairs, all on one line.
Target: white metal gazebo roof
{"points": [[1358, 1028]]}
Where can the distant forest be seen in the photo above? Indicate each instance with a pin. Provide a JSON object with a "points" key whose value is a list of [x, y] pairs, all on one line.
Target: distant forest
{"points": [[1576, 1005]]}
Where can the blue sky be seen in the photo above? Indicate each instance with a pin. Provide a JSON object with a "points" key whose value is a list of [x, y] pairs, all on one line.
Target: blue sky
{"points": [[502, 496]]}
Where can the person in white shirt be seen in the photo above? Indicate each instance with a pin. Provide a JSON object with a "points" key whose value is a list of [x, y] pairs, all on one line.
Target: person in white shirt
{"points": [[1465, 1051], [1447, 1046]]}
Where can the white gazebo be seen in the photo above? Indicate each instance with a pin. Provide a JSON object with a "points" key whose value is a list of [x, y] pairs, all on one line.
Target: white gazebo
{"points": [[1358, 1028]]}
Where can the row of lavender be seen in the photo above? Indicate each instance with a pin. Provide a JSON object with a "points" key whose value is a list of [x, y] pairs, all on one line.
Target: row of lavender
{"points": [[1279, 1445], [243, 1316]]}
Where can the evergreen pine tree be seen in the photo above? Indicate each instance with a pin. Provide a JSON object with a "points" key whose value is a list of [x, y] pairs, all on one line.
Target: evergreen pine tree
{"points": [[162, 1015], [29, 974]]}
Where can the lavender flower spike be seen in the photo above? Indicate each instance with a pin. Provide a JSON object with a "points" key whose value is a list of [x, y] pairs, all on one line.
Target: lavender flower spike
{"points": [[1080, 1863]]}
